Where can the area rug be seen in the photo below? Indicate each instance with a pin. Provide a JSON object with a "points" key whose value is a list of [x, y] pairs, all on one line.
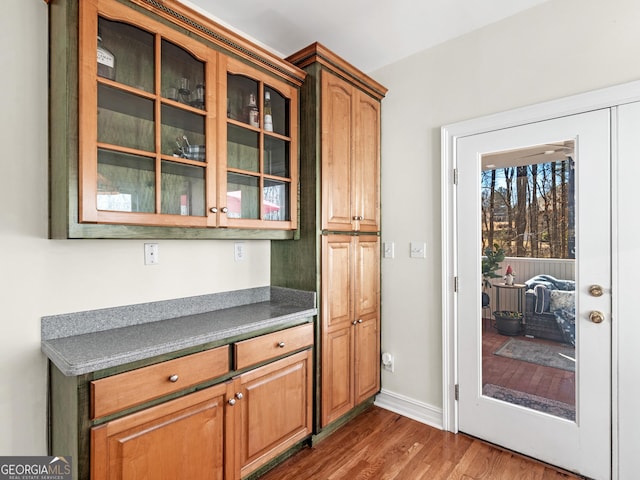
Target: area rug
{"points": [[539, 353], [534, 402]]}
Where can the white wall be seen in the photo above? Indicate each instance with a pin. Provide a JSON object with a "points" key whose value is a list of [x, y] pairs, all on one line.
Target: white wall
{"points": [[559, 48], [41, 277], [556, 49]]}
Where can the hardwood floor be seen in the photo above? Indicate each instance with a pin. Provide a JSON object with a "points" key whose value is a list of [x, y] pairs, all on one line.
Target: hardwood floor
{"points": [[380, 444], [548, 382]]}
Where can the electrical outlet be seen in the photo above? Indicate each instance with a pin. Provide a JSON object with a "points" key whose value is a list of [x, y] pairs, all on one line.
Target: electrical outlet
{"points": [[388, 362], [239, 252], [388, 250], [151, 254], [418, 250]]}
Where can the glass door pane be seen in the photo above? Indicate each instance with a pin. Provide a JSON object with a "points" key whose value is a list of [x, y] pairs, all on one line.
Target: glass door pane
{"points": [[243, 196], [528, 289], [183, 189], [125, 119], [182, 76], [125, 54], [279, 111], [126, 183]]}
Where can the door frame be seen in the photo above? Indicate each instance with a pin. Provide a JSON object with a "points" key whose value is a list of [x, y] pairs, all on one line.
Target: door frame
{"points": [[604, 98]]}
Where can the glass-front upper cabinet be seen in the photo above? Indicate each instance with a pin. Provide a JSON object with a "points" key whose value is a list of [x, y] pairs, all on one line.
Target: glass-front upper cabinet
{"points": [[260, 190], [161, 119], [147, 149]]}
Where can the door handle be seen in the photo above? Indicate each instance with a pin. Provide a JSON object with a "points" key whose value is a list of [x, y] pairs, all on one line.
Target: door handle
{"points": [[596, 290], [596, 316]]}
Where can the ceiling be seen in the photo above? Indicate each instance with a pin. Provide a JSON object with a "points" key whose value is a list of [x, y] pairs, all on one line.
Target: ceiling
{"points": [[368, 33]]}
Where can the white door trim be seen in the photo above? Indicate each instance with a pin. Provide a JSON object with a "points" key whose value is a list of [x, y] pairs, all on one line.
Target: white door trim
{"points": [[604, 98]]}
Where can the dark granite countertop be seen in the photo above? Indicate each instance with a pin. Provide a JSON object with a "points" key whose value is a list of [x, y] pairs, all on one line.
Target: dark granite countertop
{"points": [[86, 342]]}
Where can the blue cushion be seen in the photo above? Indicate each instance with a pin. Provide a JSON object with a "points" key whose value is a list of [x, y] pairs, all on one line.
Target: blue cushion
{"points": [[543, 298]]}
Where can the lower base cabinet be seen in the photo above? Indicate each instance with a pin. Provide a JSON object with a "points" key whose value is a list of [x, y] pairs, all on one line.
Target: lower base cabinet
{"points": [[222, 432], [182, 438], [276, 410]]}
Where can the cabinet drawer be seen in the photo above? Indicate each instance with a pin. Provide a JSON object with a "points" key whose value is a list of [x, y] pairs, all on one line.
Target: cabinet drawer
{"points": [[112, 394], [263, 348]]}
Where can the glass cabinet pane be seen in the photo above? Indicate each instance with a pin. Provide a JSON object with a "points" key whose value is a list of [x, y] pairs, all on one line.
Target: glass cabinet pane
{"points": [[183, 189], [275, 200], [242, 100], [276, 157], [126, 183], [125, 54], [243, 196], [125, 119], [242, 149], [183, 133], [279, 106], [182, 76]]}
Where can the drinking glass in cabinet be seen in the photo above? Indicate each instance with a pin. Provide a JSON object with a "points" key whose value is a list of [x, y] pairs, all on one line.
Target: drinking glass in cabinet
{"points": [[243, 196], [182, 76], [183, 189], [125, 54], [126, 183]]}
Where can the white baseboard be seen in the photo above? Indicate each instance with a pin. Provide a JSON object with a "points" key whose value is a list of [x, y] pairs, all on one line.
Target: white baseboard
{"points": [[408, 407]]}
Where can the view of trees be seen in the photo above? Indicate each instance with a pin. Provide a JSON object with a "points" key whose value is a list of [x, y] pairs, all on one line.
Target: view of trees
{"points": [[529, 210]]}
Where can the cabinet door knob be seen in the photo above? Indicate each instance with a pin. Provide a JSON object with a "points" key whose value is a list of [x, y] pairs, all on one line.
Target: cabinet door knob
{"points": [[225, 209], [232, 401], [354, 322], [214, 209], [239, 396], [173, 378], [281, 344], [359, 320]]}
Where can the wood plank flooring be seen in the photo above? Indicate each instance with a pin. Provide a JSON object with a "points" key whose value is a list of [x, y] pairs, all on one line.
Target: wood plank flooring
{"points": [[380, 444], [548, 382]]}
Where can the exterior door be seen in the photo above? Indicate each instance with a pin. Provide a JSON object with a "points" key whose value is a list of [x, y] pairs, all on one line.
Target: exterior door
{"points": [[552, 189]]}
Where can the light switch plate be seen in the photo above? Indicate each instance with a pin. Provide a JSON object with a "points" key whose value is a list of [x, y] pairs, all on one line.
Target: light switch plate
{"points": [[418, 250], [388, 250]]}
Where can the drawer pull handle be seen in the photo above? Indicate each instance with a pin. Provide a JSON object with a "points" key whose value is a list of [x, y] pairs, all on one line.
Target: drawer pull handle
{"points": [[281, 344], [173, 378]]}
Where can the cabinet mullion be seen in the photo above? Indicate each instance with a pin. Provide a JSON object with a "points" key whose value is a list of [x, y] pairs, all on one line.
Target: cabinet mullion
{"points": [[158, 121]]}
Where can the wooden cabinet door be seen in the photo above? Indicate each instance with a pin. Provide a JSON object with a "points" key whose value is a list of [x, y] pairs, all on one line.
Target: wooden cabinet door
{"points": [[337, 152], [350, 322], [350, 157], [275, 409], [337, 281], [366, 163], [367, 314], [337, 373], [367, 358], [182, 438]]}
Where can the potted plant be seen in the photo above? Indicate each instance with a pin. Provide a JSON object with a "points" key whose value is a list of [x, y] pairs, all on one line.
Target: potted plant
{"points": [[490, 263], [508, 322]]}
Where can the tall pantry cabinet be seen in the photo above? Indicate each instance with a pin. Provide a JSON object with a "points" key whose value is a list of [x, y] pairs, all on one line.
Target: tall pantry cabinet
{"points": [[337, 253]]}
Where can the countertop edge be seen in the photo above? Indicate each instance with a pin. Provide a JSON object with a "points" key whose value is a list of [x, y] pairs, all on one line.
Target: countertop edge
{"points": [[80, 368]]}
